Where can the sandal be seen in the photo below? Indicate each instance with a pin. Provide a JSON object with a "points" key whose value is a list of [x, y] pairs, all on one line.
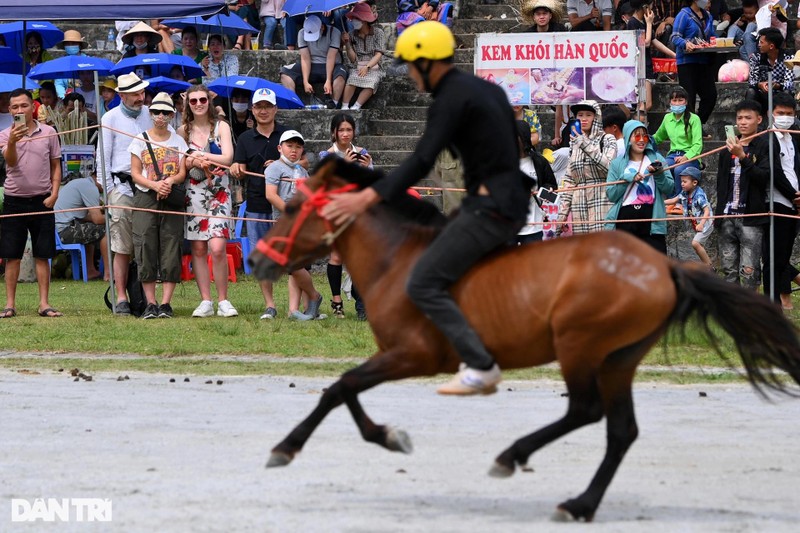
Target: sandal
{"points": [[8, 312], [50, 313]]}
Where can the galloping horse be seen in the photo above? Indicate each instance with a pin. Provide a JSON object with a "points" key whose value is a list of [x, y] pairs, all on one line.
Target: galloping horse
{"points": [[597, 310]]}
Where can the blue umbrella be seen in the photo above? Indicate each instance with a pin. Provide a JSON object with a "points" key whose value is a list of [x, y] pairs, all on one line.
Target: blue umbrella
{"points": [[228, 24], [13, 31], [9, 82], [168, 85], [286, 99], [300, 7], [10, 61], [68, 66], [159, 65]]}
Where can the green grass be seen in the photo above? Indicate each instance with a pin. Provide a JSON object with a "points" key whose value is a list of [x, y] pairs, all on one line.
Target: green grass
{"points": [[246, 345]]}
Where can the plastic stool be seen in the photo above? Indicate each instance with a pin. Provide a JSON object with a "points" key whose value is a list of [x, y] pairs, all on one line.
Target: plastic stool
{"points": [[231, 269], [186, 268], [235, 249]]}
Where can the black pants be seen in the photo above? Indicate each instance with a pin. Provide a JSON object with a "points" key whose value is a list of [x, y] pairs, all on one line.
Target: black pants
{"points": [[699, 80], [470, 236], [785, 233]]}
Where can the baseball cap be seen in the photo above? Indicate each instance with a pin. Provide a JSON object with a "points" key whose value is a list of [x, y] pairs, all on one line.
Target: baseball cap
{"points": [[312, 29], [264, 95], [288, 135], [692, 172]]}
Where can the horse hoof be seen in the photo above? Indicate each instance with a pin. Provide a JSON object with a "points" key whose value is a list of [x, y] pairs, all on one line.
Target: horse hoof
{"points": [[500, 471], [398, 440], [278, 459], [562, 515]]}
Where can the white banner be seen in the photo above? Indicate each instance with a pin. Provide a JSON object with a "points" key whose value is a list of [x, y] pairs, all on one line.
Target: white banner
{"points": [[561, 68]]}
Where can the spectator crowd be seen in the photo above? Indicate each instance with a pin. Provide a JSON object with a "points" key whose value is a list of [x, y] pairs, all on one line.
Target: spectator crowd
{"points": [[212, 156]]}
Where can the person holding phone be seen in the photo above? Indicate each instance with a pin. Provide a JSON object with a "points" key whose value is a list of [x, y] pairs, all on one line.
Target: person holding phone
{"points": [[343, 128], [33, 178], [645, 186], [537, 168], [684, 131]]}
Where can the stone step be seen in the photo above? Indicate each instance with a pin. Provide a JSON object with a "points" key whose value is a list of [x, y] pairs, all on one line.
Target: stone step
{"points": [[402, 113], [397, 127], [374, 144], [474, 10]]}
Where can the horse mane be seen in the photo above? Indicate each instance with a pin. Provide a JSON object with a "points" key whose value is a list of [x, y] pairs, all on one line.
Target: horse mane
{"points": [[410, 213]]}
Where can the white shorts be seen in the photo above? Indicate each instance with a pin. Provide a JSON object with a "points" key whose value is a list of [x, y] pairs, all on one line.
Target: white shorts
{"points": [[120, 223], [702, 236]]}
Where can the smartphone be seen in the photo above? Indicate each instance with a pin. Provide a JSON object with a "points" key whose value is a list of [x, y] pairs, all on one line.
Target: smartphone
{"points": [[547, 195], [656, 165], [730, 132], [19, 119], [575, 127]]}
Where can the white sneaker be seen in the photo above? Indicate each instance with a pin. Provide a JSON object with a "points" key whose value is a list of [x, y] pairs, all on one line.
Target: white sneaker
{"points": [[470, 381], [224, 308], [205, 309]]}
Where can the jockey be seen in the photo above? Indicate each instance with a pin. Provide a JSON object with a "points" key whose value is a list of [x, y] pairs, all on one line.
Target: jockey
{"points": [[473, 119]]}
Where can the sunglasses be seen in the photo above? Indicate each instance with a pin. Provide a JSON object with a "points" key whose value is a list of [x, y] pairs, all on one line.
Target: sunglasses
{"points": [[639, 137], [201, 100], [160, 112]]}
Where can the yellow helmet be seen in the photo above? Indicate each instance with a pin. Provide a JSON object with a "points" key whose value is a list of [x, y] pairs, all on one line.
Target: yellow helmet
{"points": [[425, 40]]}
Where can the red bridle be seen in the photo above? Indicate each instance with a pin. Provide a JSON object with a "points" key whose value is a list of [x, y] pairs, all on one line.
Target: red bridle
{"points": [[315, 201]]}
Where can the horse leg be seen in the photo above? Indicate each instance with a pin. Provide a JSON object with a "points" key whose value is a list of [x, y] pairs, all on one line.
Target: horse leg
{"points": [[390, 365], [585, 407], [621, 432]]}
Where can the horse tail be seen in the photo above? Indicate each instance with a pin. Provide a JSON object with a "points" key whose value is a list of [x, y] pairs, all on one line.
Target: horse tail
{"points": [[765, 339]]}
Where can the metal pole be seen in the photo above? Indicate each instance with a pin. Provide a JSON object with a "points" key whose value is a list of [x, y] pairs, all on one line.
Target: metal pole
{"points": [[24, 49], [771, 237], [102, 166]]}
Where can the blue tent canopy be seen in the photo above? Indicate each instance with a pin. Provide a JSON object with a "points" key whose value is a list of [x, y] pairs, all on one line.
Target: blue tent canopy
{"points": [[107, 9]]}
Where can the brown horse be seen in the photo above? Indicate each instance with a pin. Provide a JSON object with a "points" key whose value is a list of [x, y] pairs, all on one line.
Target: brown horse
{"points": [[597, 310]]}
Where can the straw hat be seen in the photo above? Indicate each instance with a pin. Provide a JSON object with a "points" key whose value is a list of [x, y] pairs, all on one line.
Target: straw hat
{"points": [[73, 36], [527, 8], [794, 61], [153, 36], [162, 102]]}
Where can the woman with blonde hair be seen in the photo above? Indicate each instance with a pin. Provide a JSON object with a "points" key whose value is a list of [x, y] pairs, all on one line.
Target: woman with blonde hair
{"points": [[208, 196]]}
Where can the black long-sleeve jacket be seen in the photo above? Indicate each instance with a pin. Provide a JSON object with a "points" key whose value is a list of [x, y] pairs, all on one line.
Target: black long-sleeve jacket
{"points": [[473, 119]]}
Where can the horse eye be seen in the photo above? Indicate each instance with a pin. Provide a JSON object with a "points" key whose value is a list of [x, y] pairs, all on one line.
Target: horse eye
{"points": [[291, 209]]}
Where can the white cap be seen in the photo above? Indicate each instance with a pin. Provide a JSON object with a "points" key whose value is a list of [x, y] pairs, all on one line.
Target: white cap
{"points": [[312, 29], [288, 135], [264, 95]]}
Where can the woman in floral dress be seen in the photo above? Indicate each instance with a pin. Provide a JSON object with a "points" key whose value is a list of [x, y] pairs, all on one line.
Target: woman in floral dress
{"points": [[208, 193]]}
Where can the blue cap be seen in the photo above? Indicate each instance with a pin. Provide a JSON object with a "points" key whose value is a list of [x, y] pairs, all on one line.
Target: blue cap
{"points": [[692, 172]]}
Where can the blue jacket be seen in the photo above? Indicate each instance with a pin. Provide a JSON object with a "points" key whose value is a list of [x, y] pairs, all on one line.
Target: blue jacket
{"points": [[684, 29], [617, 192]]}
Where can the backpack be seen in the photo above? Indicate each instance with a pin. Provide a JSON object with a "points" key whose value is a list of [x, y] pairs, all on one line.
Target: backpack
{"points": [[136, 297]]}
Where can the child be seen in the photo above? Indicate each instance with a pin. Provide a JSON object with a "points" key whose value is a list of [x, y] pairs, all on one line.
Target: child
{"points": [[280, 188], [694, 201]]}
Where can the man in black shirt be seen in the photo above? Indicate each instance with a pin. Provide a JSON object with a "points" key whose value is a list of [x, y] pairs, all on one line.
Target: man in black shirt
{"points": [[473, 119], [254, 148]]}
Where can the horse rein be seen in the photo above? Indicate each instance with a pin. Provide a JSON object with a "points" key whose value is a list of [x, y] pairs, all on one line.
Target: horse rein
{"points": [[315, 201]]}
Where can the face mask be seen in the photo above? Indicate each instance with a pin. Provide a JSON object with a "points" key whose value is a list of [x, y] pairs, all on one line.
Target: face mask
{"points": [[784, 123], [72, 50], [161, 120], [702, 4], [239, 107], [677, 109], [140, 46], [286, 160], [356, 24]]}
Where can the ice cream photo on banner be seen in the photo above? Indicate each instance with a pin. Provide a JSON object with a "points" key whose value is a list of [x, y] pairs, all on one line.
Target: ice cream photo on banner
{"points": [[515, 82], [552, 85], [616, 85]]}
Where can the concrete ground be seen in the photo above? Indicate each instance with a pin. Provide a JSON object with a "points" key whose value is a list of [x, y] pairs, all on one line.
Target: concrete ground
{"points": [[190, 457]]}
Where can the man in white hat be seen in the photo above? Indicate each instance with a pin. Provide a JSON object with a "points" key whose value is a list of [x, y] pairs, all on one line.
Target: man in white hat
{"points": [[132, 118], [320, 61]]}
